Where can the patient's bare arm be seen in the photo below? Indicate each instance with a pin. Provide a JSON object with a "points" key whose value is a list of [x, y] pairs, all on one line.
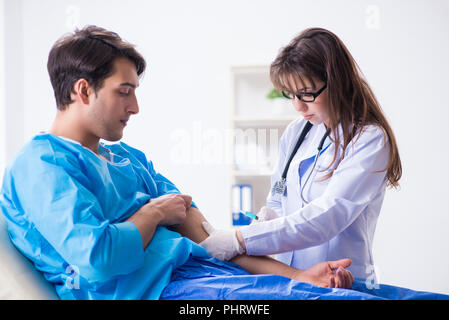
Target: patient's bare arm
{"points": [[321, 274]]}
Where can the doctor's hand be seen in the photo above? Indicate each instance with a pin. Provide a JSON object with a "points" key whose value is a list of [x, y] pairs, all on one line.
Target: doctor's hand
{"points": [[221, 244], [330, 274], [265, 214]]}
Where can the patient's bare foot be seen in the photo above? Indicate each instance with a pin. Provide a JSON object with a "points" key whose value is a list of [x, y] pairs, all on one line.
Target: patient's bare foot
{"points": [[322, 274]]}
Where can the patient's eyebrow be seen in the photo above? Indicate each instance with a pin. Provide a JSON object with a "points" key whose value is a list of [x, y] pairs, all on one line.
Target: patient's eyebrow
{"points": [[128, 84]]}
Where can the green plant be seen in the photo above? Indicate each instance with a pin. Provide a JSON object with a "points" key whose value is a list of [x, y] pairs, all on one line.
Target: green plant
{"points": [[274, 94]]}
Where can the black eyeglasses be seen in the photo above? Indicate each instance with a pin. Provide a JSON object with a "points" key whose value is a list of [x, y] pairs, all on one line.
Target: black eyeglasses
{"points": [[306, 96]]}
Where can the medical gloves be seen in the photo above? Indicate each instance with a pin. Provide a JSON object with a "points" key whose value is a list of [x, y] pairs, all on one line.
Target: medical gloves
{"points": [[265, 214], [222, 244]]}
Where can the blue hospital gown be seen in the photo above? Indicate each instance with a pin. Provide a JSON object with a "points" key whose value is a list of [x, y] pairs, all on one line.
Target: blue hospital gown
{"points": [[66, 210]]}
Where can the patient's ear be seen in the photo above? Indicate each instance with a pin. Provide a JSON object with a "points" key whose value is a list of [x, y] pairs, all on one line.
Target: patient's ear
{"points": [[81, 91]]}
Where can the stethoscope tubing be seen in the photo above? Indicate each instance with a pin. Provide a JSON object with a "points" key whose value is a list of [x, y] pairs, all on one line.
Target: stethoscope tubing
{"points": [[281, 185], [320, 147]]}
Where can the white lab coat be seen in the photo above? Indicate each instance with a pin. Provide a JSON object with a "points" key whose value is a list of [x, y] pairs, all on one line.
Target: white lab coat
{"points": [[340, 219]]}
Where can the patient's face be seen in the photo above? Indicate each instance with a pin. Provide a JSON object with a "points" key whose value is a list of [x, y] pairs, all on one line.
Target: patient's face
{"points": [[113, 105]]}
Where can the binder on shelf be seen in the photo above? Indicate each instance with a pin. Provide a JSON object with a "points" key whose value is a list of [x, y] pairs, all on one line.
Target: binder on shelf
{"points": [[242, 200], [236, 203], [247, 198]]}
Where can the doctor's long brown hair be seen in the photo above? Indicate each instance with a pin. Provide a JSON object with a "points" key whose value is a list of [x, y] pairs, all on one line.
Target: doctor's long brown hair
{"points": [[318, 54]]}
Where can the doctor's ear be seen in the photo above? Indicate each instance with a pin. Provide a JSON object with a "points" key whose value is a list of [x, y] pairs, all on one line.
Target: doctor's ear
{"points": [[82, 90]]}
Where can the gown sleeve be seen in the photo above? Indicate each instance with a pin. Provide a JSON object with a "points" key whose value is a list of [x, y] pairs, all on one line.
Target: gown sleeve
{"points": [[54, 195], [354, 184]]}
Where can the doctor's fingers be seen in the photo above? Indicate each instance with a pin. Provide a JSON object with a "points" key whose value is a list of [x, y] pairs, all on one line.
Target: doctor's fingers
{"points": [[266, 214]]}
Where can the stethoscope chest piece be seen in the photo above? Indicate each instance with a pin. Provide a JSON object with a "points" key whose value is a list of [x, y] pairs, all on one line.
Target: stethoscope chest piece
{"points": [[280, 187]]}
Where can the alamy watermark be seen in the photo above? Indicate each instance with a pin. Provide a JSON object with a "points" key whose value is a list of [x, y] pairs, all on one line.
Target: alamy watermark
{"points": [[73, 279], [372, 281], [73, 17], [245, 147], [372, 19]]}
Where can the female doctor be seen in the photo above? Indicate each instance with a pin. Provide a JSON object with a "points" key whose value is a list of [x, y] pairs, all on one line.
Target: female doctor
{"points": [[334, 164]]}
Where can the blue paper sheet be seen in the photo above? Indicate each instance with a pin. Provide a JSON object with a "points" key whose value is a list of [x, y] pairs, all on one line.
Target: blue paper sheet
{"points": [[213, 279]]}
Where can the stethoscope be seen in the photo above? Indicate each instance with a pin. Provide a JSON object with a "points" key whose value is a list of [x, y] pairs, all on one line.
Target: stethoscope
{"points": [[280, 186]]}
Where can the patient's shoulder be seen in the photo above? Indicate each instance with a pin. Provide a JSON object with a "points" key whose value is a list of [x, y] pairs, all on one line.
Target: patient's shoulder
{"points": [[42, 153]]}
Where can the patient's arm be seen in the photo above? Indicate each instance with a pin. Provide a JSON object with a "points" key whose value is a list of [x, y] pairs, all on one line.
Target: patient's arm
{"points": [[321, 274]]}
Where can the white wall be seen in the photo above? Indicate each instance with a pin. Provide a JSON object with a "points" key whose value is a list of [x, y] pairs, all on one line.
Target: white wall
{"points": [[401, 46], [2, 94]]}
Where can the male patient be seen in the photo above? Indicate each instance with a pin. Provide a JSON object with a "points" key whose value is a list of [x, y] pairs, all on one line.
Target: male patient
{"points": [[78, 208]]}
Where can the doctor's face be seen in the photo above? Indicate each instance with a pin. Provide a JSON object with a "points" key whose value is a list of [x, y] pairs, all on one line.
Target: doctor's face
{"points": [[113, 104], [317, 111]]}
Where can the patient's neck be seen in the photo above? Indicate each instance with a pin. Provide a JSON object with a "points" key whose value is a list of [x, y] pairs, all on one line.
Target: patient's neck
{"points": [[68, 124]]}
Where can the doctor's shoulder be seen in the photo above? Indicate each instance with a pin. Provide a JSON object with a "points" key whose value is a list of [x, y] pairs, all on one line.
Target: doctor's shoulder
{"points": [[371, 134], [376, 145], [369, 141]]}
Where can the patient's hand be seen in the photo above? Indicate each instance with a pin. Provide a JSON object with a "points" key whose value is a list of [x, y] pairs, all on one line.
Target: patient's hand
{"points": [[322, 274], [171, 208]]}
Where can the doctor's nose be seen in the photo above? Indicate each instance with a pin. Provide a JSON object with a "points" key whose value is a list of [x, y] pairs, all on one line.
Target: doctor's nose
{"points": [[299, 105]]}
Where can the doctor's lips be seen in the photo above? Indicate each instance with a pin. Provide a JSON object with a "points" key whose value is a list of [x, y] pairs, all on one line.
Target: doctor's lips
{"points": [[124, 122], [308, 117]]}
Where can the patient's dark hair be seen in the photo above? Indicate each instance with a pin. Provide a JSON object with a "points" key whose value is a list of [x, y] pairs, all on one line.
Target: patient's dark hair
{"points": [[88, 54]]}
